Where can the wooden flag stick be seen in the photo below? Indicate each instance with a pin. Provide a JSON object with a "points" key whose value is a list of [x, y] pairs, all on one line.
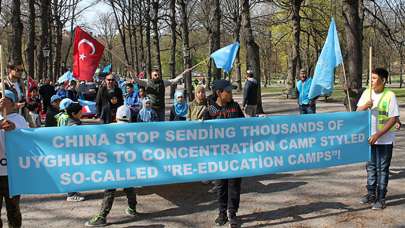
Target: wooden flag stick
{"points": [[347, 88], [370, 59], [2, 79]]}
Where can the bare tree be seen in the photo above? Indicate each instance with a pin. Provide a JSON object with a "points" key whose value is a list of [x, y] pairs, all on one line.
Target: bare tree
{"points": [[16, 36], [353, 19], [252, 50]]}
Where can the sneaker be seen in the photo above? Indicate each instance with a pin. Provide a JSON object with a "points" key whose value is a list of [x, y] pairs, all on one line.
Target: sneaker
{"points": [[131, 212], [214, 189], [368, 199], [233, 220], [221, 219], [96, 221], [379, 205], [75, 198]]}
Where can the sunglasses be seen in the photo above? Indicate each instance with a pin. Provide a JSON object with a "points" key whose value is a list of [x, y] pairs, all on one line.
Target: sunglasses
{"points": [[110, 80]]}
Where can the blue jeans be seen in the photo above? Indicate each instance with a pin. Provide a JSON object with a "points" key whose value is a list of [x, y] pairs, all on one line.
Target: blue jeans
{"points": [[378, 170], [307, 109]]}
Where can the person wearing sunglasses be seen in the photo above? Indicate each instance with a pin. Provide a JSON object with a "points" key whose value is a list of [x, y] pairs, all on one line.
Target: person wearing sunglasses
{"points": [[108, 89], [155, 88], [15, 84]]}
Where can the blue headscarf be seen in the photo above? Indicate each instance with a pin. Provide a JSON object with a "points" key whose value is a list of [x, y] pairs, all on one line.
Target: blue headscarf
{"points": [[145, 113], [180, 108]]}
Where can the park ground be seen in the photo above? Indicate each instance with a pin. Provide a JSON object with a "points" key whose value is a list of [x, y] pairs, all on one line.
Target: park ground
{"points": [[312, 198]]}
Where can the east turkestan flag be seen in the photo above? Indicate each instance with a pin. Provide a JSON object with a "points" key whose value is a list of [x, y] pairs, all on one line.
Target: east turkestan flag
{"points": [[330, 58]]}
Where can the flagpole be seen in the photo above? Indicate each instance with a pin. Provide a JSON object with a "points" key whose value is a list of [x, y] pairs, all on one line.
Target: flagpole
{"points": [[370, 59], [347, 87], [2, 79]]}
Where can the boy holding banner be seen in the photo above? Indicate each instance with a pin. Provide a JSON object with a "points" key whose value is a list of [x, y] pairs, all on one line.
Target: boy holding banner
{"points": [[228, 190], [13, 121], [384, 115]]}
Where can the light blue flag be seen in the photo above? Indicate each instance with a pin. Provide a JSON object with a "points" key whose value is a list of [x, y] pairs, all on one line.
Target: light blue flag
{"points": [[330, 58], [68, 76], [107, 69], [225, 56]]}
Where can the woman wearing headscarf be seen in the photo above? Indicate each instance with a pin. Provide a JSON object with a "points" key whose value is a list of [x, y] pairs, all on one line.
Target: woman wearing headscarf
{"points": [[198, 105], [180, 107]]}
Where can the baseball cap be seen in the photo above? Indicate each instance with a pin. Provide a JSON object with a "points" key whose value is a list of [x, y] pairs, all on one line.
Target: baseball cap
{"points": [[54, 98], [64, 103], [10, 95], [222, 84], [123, 113]]}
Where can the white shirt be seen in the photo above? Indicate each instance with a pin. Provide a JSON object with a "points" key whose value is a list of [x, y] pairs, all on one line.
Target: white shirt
{"points": [[19, 122], [393, 111]]}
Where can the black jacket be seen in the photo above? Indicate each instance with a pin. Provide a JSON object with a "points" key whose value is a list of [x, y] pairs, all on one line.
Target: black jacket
{"points": [[250, 92], [50, 120], [102, 99]]}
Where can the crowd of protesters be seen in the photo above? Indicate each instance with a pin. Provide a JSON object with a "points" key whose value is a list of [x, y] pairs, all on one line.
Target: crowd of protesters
{"points": [[143, 100]]}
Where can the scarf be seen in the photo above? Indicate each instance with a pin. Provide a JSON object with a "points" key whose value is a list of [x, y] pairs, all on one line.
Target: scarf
{"points": [[145, 113], [180, 108]]}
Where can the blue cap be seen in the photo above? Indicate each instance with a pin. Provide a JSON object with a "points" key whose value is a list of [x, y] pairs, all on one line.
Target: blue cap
{"points": [[10, 95], [64, 103], [54, 98]]}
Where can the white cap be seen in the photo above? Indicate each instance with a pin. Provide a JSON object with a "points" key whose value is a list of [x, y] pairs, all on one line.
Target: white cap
{"points": [[123, 113]]}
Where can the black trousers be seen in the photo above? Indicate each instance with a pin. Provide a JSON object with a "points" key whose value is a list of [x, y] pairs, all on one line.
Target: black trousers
{"points": [[12, 205], [228, 191], [109, 196]]}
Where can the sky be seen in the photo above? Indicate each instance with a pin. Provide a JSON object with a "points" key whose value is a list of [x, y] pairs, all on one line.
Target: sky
{"points": [[90, 16]]}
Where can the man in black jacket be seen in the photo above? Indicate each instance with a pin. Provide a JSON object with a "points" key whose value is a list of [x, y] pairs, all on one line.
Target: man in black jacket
{"points": [[250, 95], [46, 91], [104, 94]]}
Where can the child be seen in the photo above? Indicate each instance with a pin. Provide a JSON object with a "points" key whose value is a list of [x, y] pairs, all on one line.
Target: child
{"points": [[108, 111], [228, 189], [53, 110], [147, 114], [123, 116], [68, 117], [179, 108], [384, 115], [34, 108], [14, 121], [198, 105]]}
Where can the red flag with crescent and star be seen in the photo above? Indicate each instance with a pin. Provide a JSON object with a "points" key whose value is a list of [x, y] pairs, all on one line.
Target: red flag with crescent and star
{"points": [[87, 53]]}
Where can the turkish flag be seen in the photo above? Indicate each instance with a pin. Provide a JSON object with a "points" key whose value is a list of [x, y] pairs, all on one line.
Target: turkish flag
{"points": [[87, 53]]}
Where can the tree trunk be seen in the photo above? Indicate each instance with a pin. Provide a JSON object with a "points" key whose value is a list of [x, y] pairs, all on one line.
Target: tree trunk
{"points": [[42, 69], [186, 48], [172, 64], [294, 61], [252, 51], [215, 32], [354, 36], [148, 37], [121, 29], [50, 62], [31, 40], [236, 34], [155, 28], [16, 35], [142, 49]]}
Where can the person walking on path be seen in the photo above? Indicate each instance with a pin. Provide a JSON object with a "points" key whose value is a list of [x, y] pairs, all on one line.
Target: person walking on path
{"points": [[250, 95], [384, 116], [306, 105], [228, 190]]}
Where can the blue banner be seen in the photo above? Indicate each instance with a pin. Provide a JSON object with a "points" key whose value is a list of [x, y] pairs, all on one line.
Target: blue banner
{"points": [[80, 158]]}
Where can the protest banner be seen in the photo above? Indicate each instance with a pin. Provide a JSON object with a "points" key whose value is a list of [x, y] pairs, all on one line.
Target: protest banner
{"points": [[80, 158]]}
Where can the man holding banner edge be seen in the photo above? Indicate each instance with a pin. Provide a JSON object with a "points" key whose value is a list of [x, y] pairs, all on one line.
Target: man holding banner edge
{"points": [[384, 114]]}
